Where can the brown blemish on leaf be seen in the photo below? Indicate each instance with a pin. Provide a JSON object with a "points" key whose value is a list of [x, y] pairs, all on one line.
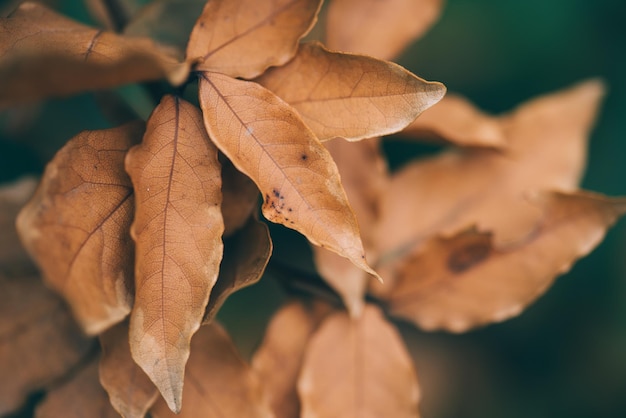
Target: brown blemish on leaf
{"points": [[468, 256]]}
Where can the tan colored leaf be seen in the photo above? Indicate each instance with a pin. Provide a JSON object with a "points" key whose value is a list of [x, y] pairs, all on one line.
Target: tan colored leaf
{"points": [[130, 390], [111, 15], [350, 96], [546, 150], [177, 231], [85, 204], [44, 54], [348, 363], [267, 141], [240, 197], [364, 176], [382, 29], [466, 281], [242, 38], [39, 341], [456, 120], [218, 383], [80, 397], [245, 257]]}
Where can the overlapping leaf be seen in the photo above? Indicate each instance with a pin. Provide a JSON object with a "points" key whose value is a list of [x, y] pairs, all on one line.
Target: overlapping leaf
{"points": [[240, 197], [45, 54], [243, 38], [464, 281], [350, 96], [177, 230], [91, 264]]}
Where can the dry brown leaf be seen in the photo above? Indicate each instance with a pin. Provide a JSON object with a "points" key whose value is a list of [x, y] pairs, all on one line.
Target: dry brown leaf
{"points": [[295, 174], [85, 204], [456, 120], [245, 257], [80, 397], [45, 54], [177, 231], [218, 383], [364, 176], [279, 358], [358, 368], [130, 390], [39, 341], [546, 150], [465, 281], [240, 197], [242, 38], [350, 96], [112, 15], [382, 29]]}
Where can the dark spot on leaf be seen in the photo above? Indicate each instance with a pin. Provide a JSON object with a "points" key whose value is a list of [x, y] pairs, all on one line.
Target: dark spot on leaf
{"points": [[304, 157], [468, 256]]}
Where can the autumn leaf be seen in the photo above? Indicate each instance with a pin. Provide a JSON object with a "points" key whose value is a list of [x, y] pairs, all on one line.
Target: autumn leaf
{"points": [[44, 54], [80, 397], [246, 255], [347, 363], [266, 140], [240, 197], [39, 341], [217, 382], [382, 29], [278, 360], [243, 38], [350, 96], [92, 265], [130, 390], [465, 281], [177, 230]]}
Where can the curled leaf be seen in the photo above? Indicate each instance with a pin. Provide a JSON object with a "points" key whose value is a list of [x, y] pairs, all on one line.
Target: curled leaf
{"points": [[85, 203], [350, 96], [240, 197], [266, 140], [45, 54], [466, 281], [242, 38], [177, 230]]}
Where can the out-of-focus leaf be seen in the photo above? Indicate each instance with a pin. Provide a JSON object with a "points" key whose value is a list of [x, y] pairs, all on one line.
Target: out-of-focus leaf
{"points": [[245, 257], [113, 15], [242, 38], [279, 358], [218, 383], [350, 96], [85, 204], [39, 341], [358, 368], [130, 390], [177, 230], [240, 197], [456, 120], [382, 29], [266, 140], [80, 397], [465, 281], [44, 54]]}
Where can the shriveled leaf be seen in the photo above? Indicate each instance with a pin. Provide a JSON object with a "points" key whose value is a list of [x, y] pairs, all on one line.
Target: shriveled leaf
{"points": [[466, 281], [350, 96], [266, 140], [218, 383], [177, 231], [85, 205], [44, 54], [242, 38], [358, 368], [448, 193], [130, 390], [39, 341], [278, 360], [80, 397], [240, 197], [245, 257], [364, 176], [382, 29], [454, 119]]}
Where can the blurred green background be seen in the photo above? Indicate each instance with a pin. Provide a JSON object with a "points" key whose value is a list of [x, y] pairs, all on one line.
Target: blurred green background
{"points": [[566, 355]]}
